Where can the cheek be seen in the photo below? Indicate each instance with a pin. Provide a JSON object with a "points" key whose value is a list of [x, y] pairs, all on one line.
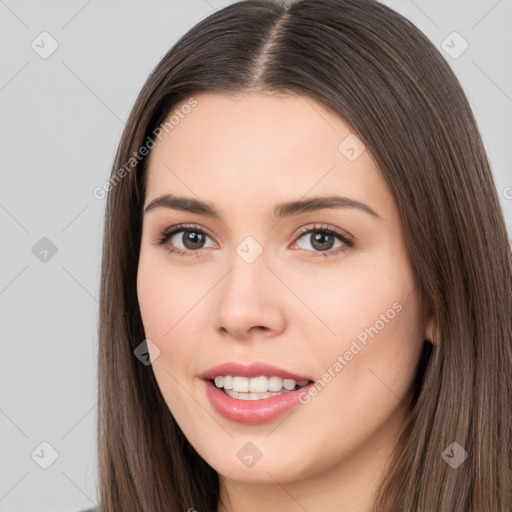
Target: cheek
{"points": [[360, 300], [164, 296], [378, 357], [160, 313], [172, 316], [364, 385], [375, 315], [161, 309], [153, 302]]}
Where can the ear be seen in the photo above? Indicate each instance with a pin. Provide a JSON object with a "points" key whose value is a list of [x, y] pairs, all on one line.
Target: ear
{"points": [[432, 332]]}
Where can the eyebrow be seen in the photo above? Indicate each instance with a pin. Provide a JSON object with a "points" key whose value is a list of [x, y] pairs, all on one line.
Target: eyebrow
{"points": [[281, 210]]}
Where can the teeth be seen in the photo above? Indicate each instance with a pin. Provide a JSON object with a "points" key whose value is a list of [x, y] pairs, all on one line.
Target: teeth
{"points": [[240, 384], [288, 384], [258, 384], [228, 382], [275, 383], [250, 387], [249, 396]]}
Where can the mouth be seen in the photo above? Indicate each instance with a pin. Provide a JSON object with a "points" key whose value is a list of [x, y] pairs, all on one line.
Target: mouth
{"points": [[256, 388], [253, 393]]}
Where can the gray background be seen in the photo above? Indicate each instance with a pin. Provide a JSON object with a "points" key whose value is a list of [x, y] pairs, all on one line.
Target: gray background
{"points": [[61, 119]]}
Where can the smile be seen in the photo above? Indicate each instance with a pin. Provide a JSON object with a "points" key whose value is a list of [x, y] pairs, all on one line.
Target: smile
{"points": [[255, 393], [256, 388]]}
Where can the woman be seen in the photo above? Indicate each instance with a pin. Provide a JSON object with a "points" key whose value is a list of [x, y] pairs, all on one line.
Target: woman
{"points": [[241, 371]]}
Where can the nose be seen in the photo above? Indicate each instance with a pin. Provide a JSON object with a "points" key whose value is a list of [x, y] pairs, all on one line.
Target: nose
{"points": [[250, 301]]}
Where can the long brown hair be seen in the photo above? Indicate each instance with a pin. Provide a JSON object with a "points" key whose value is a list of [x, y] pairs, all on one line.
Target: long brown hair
{"points": [[386, 80]]}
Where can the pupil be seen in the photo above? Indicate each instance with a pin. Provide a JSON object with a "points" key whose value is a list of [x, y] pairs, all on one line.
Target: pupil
{"points": [[193, 240], [322, 241]]}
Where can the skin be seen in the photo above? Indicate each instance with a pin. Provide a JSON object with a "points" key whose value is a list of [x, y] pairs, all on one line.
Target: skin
{"points": [[245, 154]]}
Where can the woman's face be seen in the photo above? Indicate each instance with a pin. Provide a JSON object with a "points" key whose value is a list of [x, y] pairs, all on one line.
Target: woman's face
{"points": [[254, 283]]}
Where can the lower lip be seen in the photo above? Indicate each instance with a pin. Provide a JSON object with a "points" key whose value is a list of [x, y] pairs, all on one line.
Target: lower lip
{"points": [[252, 411]]}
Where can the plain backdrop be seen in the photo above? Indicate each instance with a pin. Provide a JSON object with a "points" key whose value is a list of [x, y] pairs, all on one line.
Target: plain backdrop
{"points": [[61, 119]]}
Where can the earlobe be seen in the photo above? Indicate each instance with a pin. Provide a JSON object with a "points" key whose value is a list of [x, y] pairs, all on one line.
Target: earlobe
{"points": [[432, 333]]}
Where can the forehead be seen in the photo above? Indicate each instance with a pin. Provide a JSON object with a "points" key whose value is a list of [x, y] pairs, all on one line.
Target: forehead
{"points": [[288, 124], [262, 147]]}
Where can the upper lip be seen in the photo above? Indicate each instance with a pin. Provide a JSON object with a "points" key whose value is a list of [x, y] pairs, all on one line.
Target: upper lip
{"points": [[251, 370]]}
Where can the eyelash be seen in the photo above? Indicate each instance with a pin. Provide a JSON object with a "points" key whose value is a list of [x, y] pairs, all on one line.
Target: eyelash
{"points": [[166, 235]]}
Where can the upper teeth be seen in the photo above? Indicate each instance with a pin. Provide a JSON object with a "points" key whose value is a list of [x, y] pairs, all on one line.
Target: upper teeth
{"points": [[260, 384]]}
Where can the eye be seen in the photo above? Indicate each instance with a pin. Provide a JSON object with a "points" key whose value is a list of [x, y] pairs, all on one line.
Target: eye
{"points": [[191, 238], [323, 239]]}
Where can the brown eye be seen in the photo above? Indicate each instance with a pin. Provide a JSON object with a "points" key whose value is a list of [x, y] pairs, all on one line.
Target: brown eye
{"points": [[322, 240], [185, 240], [193, 239]]}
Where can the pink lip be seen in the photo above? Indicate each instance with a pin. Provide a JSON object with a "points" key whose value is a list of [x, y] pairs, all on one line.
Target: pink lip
{"points": [[252, 411], [251, 370]]}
